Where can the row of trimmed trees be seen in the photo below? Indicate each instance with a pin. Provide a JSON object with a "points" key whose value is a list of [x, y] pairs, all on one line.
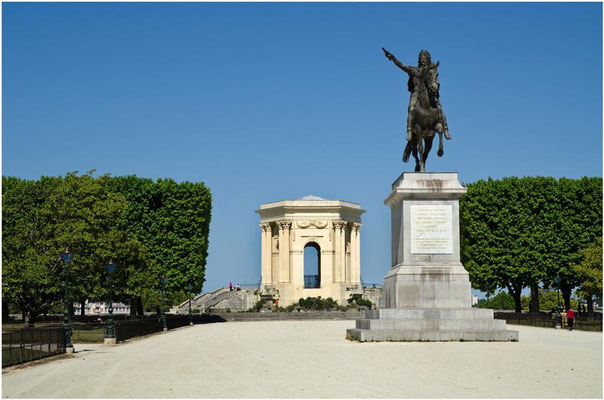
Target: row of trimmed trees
{"points": [[147, 227], [521, 233], [515, 233]]}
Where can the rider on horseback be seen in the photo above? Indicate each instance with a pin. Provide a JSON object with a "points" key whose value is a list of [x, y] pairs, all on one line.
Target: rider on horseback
{"points": [[425, 66]]}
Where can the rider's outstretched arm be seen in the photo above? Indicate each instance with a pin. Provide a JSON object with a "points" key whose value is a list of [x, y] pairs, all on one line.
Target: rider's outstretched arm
{"points": [[396, 62], [400, 65]]}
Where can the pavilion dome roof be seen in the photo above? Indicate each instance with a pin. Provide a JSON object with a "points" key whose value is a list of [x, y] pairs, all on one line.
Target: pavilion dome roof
{"points": [[311, 197]]}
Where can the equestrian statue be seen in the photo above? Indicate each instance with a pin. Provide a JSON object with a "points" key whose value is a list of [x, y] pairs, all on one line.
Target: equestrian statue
{"points": [[425, 116]]}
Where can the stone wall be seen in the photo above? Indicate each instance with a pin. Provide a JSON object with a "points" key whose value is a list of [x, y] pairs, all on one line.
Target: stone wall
{"points": [[373, 294], [222, 299], [271, 316]]}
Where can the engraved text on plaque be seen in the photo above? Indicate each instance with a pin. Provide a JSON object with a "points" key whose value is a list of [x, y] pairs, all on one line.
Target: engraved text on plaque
{"points": [[431, 229]]}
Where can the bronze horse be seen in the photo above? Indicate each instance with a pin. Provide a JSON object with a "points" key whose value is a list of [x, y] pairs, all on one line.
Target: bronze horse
{"points": [[427, 120]]}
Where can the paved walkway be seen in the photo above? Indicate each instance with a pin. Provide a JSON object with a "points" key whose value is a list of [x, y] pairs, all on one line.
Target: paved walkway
{"points": [[311, 359]]}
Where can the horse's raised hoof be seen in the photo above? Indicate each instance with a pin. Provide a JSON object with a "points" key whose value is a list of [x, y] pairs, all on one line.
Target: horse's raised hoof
{"points": [[440, 152]]}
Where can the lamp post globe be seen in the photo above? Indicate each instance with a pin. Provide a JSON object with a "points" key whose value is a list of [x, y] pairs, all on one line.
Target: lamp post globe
{"points": [[110, 334], [190, 287], [66, 257], [162, 283]]}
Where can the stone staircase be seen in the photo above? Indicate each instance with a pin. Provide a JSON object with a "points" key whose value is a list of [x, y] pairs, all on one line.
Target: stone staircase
{"points": [[219, 298], [200, 301]]}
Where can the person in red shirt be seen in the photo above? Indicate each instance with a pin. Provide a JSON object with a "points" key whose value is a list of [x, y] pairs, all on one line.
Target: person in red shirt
{"points": [[570, 318]]}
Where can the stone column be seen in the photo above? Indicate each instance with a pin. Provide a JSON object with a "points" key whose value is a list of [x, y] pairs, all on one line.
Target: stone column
{"points": [[356, 253], [284, 264], [343, 250], [262, 255], [340, 251], [336, 252], [267, 273], [348, 240]]}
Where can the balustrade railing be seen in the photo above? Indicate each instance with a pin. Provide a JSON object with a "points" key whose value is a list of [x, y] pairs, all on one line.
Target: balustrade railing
{"points": [[311, 281]]}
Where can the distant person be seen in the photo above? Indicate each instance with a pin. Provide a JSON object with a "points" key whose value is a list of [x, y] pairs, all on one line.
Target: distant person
{"points": [[238, 287], [570, 318], [230, 286]]}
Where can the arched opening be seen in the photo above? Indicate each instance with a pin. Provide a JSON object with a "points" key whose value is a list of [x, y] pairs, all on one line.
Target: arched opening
{"points": [[312, 266]]}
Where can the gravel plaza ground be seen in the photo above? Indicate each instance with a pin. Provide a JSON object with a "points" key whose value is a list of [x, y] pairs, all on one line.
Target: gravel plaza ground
{"points": [[312, 359]]}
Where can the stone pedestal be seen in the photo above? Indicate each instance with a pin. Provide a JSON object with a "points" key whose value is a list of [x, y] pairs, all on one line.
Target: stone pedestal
{"points": [[427, 290], [110, 341]]}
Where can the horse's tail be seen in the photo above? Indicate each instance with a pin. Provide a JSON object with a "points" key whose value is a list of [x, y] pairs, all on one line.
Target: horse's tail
{"points": [[407, 152]]}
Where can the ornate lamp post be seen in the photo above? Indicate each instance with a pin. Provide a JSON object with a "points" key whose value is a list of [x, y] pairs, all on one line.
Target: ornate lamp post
{"points": [[68, 333], [110, 336], [558, 316], [162, 283], [190, 287]]}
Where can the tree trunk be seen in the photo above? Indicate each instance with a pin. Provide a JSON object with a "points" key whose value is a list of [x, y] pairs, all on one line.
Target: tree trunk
{"points": [[515, 292], [132, 305], [5, 311], [590, 304], [534, 303], [29, 318], [82, 307], [25, 316], [517, 302], [139, 306], [566, 289]]}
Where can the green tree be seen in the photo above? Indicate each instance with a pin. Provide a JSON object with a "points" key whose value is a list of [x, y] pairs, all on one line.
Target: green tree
{"points": [[172, 220], [504, 241], [29, 280], [501, 301], [577, 225], [589, 273], [549, 300], [75, 211], [519, 232]]}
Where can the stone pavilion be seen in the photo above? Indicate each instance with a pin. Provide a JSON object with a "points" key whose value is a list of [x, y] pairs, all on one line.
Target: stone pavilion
{"points": [[311, 227]]}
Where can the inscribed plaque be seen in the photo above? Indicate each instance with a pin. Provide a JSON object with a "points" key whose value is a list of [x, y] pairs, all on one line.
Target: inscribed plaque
{"points": [[431, 229]]}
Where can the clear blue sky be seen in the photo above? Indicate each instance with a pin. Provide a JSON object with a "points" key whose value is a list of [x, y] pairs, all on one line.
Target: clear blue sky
{"points": [[273, 101]]}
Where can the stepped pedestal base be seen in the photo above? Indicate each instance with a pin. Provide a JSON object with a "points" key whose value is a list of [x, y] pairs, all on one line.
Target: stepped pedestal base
{"points": [[431, 325]]}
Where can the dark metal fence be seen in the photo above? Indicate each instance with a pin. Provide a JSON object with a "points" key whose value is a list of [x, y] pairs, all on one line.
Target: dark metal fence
{"points": [[31, 344], [130, 328], [177, 321], [88, 332], [58, 318], [585, 322], [22, 345]]}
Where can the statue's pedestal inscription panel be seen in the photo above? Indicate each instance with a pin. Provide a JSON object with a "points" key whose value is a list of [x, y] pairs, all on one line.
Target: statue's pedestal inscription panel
{"points": [[431, 229], [427, 290]]}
